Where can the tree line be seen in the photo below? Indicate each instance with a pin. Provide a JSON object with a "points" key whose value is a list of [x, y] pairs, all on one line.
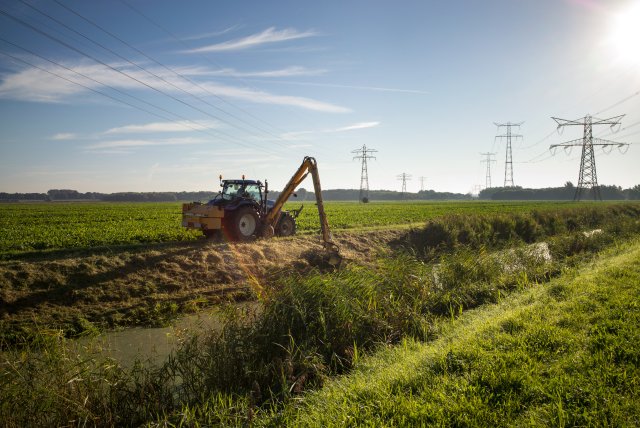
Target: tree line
{"points": [[302, 195], [565, 192]]}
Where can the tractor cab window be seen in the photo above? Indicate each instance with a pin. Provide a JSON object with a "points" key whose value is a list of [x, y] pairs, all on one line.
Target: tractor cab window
{"points": [[253, 191], [231, 190]]}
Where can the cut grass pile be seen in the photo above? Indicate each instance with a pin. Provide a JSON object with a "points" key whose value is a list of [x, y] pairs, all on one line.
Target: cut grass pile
{"points": [[564, 354]]}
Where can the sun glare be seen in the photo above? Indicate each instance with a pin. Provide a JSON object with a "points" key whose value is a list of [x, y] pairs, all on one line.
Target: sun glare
{"points": [[625, 34]]}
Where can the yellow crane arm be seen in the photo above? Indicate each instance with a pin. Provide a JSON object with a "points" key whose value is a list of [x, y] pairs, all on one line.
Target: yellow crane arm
{"points": [[309, 166]]}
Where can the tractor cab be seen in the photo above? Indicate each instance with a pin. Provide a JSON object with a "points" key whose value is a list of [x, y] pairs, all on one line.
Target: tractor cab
{"points": [[234, 189]]}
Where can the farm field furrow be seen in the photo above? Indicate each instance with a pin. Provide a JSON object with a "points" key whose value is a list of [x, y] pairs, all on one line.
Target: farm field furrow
{"points": [[26, 227]]}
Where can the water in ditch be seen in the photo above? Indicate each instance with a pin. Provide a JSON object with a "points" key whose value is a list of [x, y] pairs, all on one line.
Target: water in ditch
{"points": [[152, 345]]}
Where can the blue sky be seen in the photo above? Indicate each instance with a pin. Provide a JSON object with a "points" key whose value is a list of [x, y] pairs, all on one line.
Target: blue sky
{"points": [[141, 95]]}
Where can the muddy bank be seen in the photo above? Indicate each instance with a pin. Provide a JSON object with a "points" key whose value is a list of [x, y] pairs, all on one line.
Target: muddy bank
{"points": [[148, 287]]}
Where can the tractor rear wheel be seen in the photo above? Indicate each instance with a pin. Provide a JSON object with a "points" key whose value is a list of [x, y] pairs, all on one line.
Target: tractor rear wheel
{"points": [[244, 224], [286, 225]]}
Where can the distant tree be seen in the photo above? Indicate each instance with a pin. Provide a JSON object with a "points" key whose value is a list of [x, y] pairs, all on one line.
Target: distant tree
{"points": [[14, 197], [63, 194], [612, 192], [633, 193], [302, 194]]}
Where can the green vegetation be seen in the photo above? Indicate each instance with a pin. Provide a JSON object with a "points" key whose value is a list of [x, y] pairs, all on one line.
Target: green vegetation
{"points": [[40, 226], [566, 354], [539, 358], [351, 215], [140, 286], [28, 227]]}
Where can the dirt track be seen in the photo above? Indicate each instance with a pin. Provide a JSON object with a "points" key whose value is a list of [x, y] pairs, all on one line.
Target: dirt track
{"points": [[149, 285]]}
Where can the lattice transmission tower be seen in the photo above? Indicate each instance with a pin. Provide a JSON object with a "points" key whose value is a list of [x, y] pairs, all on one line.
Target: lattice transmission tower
{"points": [[488, 161], [364, 154], [588, 178], [404, 177], [422, 179], [508, 161]]}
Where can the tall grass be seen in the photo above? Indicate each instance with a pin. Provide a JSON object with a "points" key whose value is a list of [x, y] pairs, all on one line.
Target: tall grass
{"points": [[563, 355], [450, 232], [305, 330]]}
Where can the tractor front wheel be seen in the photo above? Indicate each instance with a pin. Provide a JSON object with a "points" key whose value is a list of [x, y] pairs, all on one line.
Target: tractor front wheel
{"points": [[286, 225], [244, 224]]}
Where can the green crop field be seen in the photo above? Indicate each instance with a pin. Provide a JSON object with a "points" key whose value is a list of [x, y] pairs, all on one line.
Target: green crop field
{"points": [[39, 226], [352, 215], [28, 227]]}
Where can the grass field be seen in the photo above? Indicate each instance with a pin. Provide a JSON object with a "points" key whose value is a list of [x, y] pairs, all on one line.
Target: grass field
{"points": [[461, 340], [567, 354], [26, 227], [563, 324]]}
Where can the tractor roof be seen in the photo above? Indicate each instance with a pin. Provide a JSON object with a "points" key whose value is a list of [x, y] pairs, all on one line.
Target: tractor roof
{"points": [[240, 181]]}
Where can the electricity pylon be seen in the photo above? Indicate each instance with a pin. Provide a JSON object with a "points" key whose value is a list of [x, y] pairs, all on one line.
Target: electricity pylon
{"points": [[422, 183], [404, 177], [488, 160], [588, 177], [508, 162], [363, 154]]}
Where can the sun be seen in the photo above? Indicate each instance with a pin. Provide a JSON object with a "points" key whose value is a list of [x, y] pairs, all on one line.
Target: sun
{"points": [[624, 37]]}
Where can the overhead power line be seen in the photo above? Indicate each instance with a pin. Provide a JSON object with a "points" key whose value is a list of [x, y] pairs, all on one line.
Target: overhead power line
{"points": [[179, 40], [612, 131], [79, 51], [139, 67], [187, 123], [15, 58], [616, 104], [171, 70]]}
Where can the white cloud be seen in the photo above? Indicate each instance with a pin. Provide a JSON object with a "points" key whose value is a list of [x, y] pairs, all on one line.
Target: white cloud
{"points": [[235, 152], [270, 35], [211, 34], [361, 125], [299, 146], [64, 136], [31, 84], [283, 72], [268, 98], [124, 144], [178, 126], [355, 87], [296, 135], [111, 152]]}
